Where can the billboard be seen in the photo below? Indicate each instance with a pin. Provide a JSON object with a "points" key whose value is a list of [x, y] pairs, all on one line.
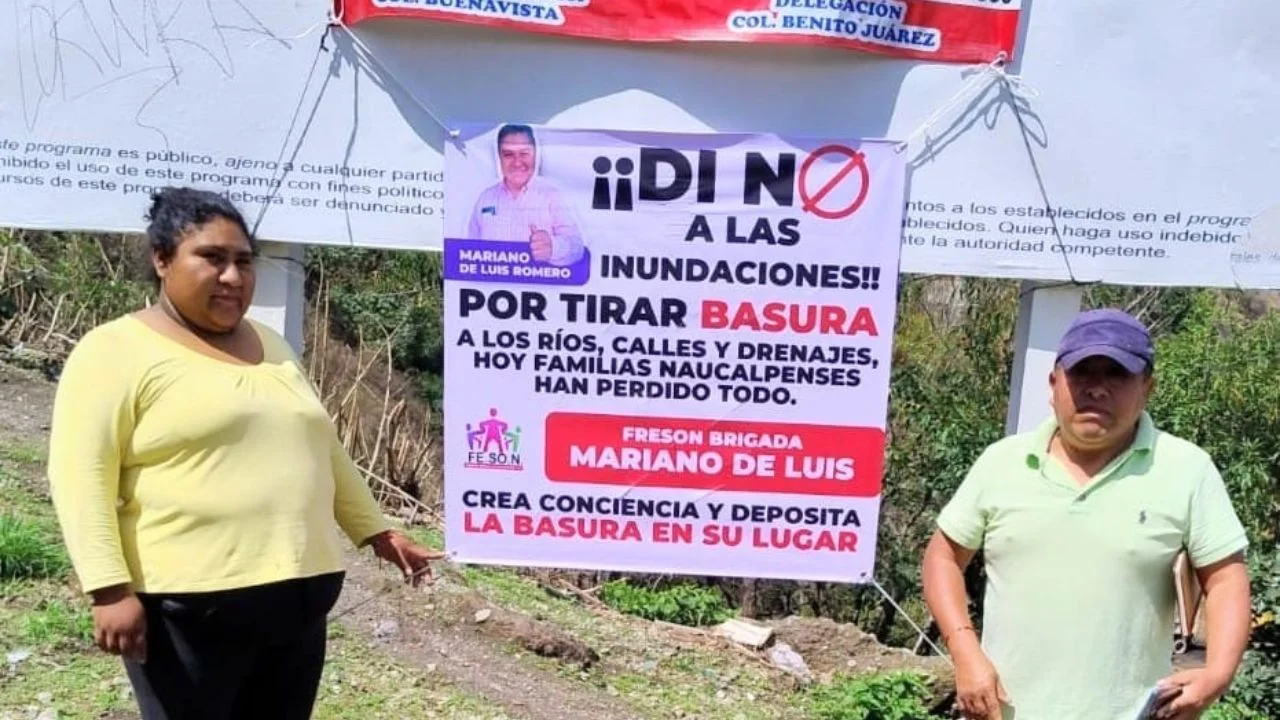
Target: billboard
{"points": [[934, 30], [668, 352], [1141, 151]]}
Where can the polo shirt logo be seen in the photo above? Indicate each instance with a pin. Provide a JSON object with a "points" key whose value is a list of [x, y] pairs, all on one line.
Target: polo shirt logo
{"points": [[1142, 517], [488, 210]]}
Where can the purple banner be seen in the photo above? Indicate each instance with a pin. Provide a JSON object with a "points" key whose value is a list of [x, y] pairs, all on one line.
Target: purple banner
{"points": [[508, 262]]}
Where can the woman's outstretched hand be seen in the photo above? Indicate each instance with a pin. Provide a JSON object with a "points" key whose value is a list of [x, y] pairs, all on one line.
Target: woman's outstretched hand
{"points": [[413, 559]]}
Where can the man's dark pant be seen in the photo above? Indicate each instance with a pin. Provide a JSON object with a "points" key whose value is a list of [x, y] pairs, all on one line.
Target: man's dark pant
{"points": [[249, 653]]}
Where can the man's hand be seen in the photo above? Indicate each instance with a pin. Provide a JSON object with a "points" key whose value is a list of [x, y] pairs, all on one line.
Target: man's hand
{"points": [[539, 243], [120, 623], [412, 559], [1227, 610], [979, 693], [1199, 689]]}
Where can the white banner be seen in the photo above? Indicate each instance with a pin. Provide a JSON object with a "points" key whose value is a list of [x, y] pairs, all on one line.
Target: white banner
{"points": [[1143, 149], [669, 352]]}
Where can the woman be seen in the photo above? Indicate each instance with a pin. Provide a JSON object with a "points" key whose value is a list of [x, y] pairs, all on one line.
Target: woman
{"points": [[199, 484]]}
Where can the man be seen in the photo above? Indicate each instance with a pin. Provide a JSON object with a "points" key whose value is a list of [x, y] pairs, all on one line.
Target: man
{"points": [[523, 207], [1080, 522]]}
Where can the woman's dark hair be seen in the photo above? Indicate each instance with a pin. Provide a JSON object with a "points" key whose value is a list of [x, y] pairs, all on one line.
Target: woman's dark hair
{"points": [[176, 211]]}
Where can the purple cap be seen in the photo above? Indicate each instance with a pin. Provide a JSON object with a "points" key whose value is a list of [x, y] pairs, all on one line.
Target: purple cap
{"points": [[1108, 333]]}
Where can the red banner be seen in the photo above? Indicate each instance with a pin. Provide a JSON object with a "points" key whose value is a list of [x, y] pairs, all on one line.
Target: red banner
{"points": [[720, 455], [938, 30]]}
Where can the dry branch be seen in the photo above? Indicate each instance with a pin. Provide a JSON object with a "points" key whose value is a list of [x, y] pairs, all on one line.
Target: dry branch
{"points": [[381, 421]]}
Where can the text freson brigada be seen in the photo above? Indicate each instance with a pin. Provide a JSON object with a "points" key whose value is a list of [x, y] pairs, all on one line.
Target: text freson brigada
{"points": [[713, 438]]}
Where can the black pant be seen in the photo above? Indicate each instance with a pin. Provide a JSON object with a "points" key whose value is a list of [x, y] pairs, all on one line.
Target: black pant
{"points": [[248, 653]]}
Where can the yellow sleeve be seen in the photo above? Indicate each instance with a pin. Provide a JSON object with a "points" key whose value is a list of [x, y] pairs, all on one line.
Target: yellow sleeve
{"points": [[354, 506], [93, 418]]}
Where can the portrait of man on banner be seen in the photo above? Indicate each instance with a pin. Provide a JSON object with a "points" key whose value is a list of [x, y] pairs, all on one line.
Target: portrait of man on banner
{"points": [[523, 206]]}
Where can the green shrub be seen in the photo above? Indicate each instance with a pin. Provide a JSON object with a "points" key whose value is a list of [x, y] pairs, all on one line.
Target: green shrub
{"points": [[27, 550], [378, 296], [1257, 685], [948, 399], [683, 604], [66, 283], [1229, 710], [1216, 386], [879, 696]]}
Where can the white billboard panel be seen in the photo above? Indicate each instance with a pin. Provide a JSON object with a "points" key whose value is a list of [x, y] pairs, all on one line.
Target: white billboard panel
{"points": [[1144, 149]]}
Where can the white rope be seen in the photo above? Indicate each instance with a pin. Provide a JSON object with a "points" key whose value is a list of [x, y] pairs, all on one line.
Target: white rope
{"points": [[991, 72], [336, 21], [923, 635], [300, 36]]}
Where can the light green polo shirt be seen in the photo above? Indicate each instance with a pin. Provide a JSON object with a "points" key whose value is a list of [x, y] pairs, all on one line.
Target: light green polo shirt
{"points": [[1080, 600]]}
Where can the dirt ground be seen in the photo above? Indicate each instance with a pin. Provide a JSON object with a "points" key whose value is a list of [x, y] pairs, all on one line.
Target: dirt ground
{"points": [[430, 628], [830, 647], [26, 404], [452, 632], [435, 628]]}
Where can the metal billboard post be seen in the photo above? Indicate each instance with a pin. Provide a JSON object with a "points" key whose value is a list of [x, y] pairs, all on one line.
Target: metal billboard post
{"points": [[279, 301], [1044, 312]]}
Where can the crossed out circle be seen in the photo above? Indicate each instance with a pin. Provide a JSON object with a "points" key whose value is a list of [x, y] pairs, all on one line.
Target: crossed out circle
{"points": [[856, 161]]}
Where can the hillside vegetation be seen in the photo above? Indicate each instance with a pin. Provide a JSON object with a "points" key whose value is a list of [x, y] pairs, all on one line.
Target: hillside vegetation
{"points": [[375, 348]]}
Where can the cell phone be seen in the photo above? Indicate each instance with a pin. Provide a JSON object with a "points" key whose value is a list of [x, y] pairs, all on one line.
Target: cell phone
{"points": [[1149, 707], [1153, 703]]}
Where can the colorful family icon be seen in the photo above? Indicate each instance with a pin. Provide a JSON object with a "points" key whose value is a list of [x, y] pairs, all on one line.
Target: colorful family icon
{"points": [[494, 431]]}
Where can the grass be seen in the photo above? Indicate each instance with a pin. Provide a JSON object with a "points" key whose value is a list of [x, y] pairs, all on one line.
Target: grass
{"points": [[66, 674], [77, 685], [28, 550], [46, 626], [42, 618], [21, 453], [41, 613], [58, 623], [697, 684], [29, 539]]}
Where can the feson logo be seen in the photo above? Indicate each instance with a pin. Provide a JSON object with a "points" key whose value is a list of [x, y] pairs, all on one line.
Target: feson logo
{"points": [[493, 444]]}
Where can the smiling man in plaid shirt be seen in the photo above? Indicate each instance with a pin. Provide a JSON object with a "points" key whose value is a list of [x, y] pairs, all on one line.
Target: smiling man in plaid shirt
{"points": [[523, 207]]}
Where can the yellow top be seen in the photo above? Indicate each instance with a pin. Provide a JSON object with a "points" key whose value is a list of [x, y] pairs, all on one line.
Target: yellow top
{"points": [[178, 472]]}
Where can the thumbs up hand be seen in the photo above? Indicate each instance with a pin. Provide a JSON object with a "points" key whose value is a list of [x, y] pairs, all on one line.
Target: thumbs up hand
{"points": [[539, 243]]}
